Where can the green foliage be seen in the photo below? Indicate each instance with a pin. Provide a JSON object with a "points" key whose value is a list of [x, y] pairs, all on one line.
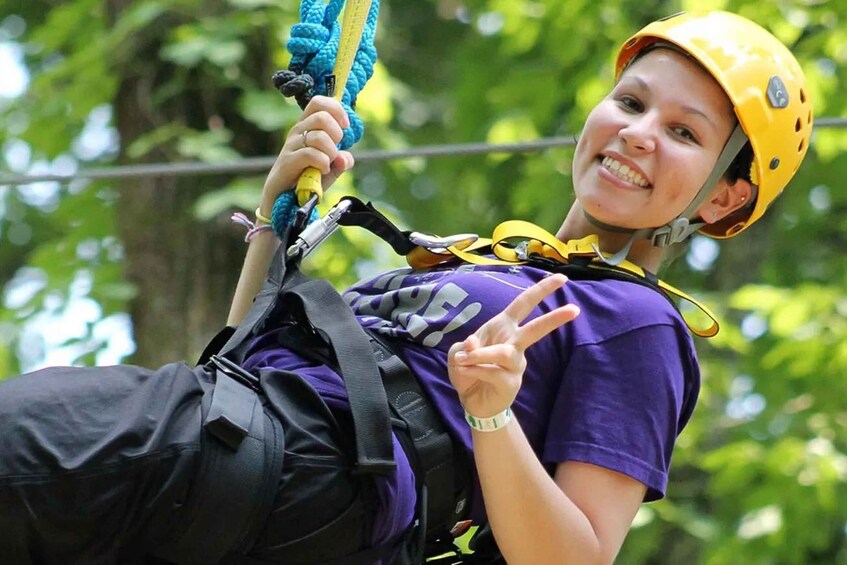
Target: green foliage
{"points": [[759, 474]]}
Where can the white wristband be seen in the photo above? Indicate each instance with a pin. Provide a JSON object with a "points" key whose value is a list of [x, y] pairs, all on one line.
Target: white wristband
{"points": [[491, 424]]}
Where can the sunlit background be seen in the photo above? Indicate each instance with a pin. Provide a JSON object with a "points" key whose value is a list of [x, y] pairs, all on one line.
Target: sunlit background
{"points": [[141, 269], [78, 320]]}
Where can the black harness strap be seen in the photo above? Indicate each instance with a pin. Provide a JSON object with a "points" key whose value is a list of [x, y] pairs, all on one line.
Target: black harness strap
{"points": [[329, 315], [582, 269], [366, 216], [241, 462], [286, 293], [316, 308], [263, 308], [439, 468]]}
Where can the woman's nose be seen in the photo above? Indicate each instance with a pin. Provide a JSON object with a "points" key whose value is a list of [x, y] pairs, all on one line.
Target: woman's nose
{"points": [[640, 134]]}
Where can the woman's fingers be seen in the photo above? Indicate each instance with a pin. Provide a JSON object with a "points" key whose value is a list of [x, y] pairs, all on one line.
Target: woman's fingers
{"points": [[504, 355], [508, 329], [487, 367], [527, 300], [342, 162], [329, 105], [489, 375], [321, 126], [509, 355], [295, 162], [472, 342], [311, 142], [539, 327], [319, 136]]}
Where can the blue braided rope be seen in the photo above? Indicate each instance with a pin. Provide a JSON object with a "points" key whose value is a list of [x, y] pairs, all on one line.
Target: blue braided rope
{"points": [[314, 45], [285, 208]]}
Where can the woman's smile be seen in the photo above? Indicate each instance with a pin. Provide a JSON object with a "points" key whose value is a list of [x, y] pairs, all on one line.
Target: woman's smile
{"points": [[621, 174]]}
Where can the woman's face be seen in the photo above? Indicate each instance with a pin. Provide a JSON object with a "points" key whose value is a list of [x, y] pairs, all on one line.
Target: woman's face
{"points": [[648, 147]]}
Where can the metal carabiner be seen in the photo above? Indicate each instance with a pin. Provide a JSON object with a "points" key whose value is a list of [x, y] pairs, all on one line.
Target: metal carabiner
{"points": [[313, 234], [440, 244]]}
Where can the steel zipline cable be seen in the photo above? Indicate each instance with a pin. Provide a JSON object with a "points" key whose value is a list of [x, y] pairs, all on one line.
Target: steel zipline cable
{"points": [[263, 164]]}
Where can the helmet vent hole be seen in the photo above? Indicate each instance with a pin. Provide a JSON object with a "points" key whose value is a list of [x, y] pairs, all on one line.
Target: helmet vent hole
{"points": [[799, 125], [800, 147], [802, 96], [809, 117], [735, 229]]}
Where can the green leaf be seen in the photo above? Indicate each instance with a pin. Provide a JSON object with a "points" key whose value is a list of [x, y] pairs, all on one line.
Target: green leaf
{"points": [[209, 146], [241, 194], [268, 109]]}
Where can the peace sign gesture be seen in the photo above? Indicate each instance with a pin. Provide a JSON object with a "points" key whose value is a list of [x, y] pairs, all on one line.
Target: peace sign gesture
{"points": [[487, 368]]}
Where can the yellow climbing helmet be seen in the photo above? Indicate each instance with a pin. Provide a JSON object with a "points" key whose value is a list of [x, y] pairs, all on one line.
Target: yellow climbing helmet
{"points": [[763, 81]]}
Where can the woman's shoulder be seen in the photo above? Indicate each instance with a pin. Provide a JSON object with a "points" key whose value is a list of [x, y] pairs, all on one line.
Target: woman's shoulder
{"points": [[611, 308]]}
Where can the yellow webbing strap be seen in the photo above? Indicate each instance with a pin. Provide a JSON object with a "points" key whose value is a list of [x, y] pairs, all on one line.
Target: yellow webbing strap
{"points": [[543, 243], [353, 24], [423, 258]]}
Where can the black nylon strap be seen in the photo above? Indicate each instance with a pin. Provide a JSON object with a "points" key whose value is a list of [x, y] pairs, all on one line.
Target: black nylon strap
{"points": [[231, 412], [216, 344], [326, 312], [233, 479], [432, 453], [331, 316], [263, 308], [359, 214], [366, 216]]}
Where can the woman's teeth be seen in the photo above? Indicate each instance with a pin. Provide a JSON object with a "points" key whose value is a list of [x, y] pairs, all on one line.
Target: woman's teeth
{"points": [[623, 172]]}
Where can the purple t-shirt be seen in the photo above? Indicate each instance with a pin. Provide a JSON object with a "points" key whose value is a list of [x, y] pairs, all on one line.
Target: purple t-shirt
{"points": [[613, 388]]}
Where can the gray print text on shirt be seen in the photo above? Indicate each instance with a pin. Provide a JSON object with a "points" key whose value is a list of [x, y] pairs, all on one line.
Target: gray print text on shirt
{"points": [[426, 312]]}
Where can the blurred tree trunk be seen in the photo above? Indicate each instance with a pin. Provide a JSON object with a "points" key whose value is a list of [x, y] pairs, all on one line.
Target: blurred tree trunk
{"points": [[184, 270]]}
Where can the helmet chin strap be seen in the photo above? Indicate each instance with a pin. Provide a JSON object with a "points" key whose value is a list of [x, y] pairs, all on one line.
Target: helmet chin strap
{"points": [[680, 228]]}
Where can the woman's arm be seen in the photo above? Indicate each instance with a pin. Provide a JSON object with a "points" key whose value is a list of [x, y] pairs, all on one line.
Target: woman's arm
{"points": [[253, 271], [582, 514], [311, 142]]}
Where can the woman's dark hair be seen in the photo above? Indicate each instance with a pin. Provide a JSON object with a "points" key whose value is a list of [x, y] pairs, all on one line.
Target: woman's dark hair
{"points": [[740, 166]]}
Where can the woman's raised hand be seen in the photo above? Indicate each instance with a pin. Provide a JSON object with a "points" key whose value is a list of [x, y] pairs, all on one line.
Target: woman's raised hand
{"points": [[487, 368], [311, 142]]}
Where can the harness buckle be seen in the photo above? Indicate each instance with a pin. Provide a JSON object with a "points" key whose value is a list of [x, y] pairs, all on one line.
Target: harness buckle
{"points": [[522, 250], [235, 372], [233, 399]]}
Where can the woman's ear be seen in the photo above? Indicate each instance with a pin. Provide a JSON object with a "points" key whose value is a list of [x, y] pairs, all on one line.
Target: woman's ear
{"points": [[725, 199]]}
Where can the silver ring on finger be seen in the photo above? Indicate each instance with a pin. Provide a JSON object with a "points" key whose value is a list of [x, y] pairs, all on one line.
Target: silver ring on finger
{"points": [[305, 136]]}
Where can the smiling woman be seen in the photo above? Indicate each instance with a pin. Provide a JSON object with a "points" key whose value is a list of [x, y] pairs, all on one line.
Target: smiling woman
{"points": [[649, 146], [710, 118], [560, 401]]}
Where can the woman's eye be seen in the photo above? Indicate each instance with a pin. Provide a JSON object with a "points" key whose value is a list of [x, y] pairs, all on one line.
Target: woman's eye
{"points": [[630, 103], [685, 133]]}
